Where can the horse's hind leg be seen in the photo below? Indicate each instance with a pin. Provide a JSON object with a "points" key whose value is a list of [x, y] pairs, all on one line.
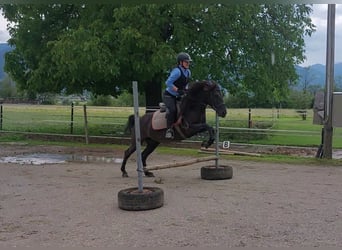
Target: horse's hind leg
{"points": [[150, 147], [127, 154]]}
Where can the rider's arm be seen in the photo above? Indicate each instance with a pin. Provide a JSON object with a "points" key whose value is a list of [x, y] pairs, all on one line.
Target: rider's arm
{"points": [[174, 75]]}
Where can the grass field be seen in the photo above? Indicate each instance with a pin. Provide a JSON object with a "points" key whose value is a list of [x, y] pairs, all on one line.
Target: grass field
{"points": [[268, 126]]}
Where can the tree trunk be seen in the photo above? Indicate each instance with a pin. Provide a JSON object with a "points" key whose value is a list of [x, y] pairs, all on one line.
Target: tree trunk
{"points": [[153, 95]]}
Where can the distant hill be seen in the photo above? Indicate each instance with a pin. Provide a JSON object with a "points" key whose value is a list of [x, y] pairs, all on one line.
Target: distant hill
{"points": [[4, 47], [316, 73]]}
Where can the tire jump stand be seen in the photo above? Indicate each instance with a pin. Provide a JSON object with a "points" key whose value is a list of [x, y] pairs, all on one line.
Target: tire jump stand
{"points": [[139, 198], [217, 171]]}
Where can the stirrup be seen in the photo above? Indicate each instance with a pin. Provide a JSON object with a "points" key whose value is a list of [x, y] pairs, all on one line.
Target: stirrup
{"points": [[162, 107], [169, 133]]}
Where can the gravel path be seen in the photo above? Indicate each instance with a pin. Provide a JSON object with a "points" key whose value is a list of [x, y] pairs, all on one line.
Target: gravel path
{"points": [[75, 204]]}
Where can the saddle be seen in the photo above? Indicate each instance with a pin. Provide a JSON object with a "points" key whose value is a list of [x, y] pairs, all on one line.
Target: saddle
{"points": [[159, 117]]}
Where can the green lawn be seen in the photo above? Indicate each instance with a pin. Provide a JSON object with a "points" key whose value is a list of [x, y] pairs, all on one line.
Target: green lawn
{"points": [[269, 126]]}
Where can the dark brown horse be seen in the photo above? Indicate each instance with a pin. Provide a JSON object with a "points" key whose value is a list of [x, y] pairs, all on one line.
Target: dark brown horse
{"points": [[192, 120]]}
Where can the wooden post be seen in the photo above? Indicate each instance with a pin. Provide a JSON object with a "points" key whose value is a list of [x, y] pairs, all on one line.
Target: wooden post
{"points": [[249, 118], [72, 119], [85, 123], [181, 164]]}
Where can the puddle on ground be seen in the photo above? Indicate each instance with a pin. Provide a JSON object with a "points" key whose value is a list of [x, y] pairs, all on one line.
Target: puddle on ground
{"points": [[39, 159], [337, 155]]}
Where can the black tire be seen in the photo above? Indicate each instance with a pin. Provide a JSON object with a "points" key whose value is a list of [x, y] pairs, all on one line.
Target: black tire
{"points": [[220, 172], [132, 200]]}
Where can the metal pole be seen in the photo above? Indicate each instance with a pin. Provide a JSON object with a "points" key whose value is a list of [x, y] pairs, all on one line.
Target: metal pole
{"points": [[217, 141], [137, 135], [329, 81], [1, 117]]}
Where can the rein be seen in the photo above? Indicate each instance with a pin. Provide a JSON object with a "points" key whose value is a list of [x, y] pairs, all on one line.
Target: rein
{"points": [[222, 104], [210, 87]]}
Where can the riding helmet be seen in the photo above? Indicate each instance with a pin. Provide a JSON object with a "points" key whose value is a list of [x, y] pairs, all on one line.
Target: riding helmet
{"points": [[183, 57]]}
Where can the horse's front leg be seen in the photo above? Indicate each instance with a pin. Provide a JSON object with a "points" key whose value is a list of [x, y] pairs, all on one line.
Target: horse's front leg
{"points": [[211, 139], [201, 127]]}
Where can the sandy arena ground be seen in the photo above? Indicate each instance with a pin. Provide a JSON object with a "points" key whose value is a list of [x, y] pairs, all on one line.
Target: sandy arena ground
{"points": [[75, 204]]}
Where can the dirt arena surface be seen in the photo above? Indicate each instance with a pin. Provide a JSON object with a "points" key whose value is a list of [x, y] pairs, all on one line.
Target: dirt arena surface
{"points": [[75, 204]]}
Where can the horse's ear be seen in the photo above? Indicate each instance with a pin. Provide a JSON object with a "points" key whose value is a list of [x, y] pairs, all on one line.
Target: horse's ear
{"points": [[209, 85], [206, 87]]}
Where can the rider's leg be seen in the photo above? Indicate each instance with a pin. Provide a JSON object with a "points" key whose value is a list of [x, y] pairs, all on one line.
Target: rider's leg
{"points": [[171, 109]]}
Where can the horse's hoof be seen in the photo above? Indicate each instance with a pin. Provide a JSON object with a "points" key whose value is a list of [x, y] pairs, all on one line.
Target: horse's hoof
{"points": [[205, 144], [149, 174], [124, 174], [209, 143]]}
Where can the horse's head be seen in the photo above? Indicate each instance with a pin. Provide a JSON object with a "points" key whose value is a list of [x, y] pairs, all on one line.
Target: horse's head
{"points": [[209, 92]]}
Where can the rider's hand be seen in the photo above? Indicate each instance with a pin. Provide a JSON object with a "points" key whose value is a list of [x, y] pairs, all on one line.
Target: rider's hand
{"points": [[180, 92]]}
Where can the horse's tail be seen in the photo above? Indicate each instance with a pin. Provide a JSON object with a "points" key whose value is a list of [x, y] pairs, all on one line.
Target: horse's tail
{"points": [[129, 125]]}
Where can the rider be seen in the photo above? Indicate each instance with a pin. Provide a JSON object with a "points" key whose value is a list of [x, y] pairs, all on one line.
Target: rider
{"points": [[175, 87]]}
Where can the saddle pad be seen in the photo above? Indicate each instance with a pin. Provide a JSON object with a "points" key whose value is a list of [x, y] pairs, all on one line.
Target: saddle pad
{"points": [[159, 120]]}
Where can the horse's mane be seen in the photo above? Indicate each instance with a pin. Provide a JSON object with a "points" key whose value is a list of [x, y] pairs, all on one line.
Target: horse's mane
{"points": [[194, 87]]}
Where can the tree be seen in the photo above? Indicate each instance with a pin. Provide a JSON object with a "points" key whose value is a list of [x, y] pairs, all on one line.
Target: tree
{"points": [[7, 88], [34, 26], [102, 48], [338, 83]]}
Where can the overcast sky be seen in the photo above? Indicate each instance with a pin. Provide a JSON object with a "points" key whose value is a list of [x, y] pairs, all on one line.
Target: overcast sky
{"points": [[315, 45]]}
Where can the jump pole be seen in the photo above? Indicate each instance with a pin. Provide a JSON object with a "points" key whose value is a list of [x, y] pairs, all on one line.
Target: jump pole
{"points": [[137, 135], [217, 141], [181, 164]]}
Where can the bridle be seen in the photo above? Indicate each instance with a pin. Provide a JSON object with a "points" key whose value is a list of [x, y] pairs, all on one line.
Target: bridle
{"points": [[211, 86]]}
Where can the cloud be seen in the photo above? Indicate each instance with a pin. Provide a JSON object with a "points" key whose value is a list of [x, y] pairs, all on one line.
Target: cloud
{"points": [[4, 36], [316, 44]]}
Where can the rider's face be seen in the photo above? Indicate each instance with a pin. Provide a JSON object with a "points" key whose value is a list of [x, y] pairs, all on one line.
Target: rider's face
{"points": [[185, 64]]}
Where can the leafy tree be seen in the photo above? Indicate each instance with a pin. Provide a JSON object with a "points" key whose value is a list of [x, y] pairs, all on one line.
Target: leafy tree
{"points": [[338, 83], [7, 88], [250, 49], [299, 100], [34, 26]]}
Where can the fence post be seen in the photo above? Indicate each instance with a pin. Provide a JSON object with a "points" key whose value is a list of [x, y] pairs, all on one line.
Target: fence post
{"points": [[1, 117], [85, 123], [72, 118], [249, 118]]}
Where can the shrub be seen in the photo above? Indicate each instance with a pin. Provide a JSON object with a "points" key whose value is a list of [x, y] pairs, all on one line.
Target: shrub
{"points": [[101, 100]]}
